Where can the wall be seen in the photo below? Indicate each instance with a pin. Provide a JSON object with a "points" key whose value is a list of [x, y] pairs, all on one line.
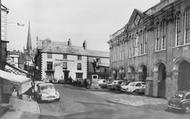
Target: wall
{"points": [[57, 60]]}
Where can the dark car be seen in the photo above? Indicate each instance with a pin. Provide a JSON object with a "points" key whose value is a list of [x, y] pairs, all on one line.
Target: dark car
{"points": [[115, 85], [180, 101]]}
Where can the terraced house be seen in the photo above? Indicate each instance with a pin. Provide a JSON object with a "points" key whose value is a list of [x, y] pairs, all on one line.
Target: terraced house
{"points": [[61, 60], [154, 46]]}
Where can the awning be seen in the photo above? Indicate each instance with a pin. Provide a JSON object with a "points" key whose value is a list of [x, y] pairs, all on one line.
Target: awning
{"points": [[22, 82], [13, 77]]}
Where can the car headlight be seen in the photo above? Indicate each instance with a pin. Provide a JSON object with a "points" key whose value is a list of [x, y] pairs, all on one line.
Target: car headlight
{"points": [[57, 94]]}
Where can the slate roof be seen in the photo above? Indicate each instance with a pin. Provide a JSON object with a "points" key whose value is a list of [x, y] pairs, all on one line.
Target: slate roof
{"points": [[62, 47], [4, 8]]}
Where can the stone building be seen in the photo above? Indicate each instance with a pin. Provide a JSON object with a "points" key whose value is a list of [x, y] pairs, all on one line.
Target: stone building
{"points": [[154, 46]]}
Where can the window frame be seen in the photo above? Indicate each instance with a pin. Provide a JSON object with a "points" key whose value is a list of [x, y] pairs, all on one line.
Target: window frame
{"points": [[65, 56], [49, 64], [79, 66], [79, 57], [186, 26], [178, 29]]}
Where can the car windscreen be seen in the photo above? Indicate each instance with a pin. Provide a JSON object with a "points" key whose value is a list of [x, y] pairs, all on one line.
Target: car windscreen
{"points": [[46, 87], [132, 84], [179, 95]]}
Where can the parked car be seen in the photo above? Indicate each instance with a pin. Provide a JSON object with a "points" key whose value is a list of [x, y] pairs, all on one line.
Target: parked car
{"points": [[136, 87], [180, 101], [115, 85], [102, 83], [46, 92]]}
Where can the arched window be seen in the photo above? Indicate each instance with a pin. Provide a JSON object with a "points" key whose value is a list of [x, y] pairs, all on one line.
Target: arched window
{"points": [[187, 26]]}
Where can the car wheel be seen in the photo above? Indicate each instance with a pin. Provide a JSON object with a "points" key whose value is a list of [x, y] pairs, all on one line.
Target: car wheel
{"points": [[187, 108], [134, 92], [38, 100]]}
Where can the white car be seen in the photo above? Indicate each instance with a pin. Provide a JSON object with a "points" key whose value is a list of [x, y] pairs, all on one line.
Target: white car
{"points": [[46, 92], [134, 87]]}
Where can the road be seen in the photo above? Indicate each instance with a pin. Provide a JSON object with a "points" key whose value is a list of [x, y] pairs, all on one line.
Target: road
{"points": [[79, 103]]}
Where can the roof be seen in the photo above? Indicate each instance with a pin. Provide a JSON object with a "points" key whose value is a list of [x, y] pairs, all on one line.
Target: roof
{"points": [[45, 84], [62, 47], [159, 6], [4, 8], [17, 79]]}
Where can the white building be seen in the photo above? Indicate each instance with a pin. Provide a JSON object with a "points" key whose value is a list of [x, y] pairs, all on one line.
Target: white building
{"points": [[13, 58], [4, 12], [61, 60]]}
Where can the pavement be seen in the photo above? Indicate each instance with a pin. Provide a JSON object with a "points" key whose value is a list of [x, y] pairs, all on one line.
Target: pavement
{"points": [[16, 107]]}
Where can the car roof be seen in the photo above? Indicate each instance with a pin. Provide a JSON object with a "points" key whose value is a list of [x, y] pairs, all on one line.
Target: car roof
{"points": [[45, 84], [137, 82]]}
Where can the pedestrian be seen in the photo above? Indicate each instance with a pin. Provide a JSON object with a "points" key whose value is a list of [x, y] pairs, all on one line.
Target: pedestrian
{"points": [[88, 83]]}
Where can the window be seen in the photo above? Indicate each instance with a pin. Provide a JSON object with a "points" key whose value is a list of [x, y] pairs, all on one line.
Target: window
{"points": [[49, 65], [49, 55], [157, 40], [163, 34], [136, 46], [141, 49], [64, 65], [138, 84], [79, 66], [188, 96], [79, 75], [79, 57], [187, 26], [64, 56], [144, 41], [178, 29]]}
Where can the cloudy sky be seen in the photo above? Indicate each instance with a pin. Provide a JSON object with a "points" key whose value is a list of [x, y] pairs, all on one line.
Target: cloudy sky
{"points": [[90, 20]]}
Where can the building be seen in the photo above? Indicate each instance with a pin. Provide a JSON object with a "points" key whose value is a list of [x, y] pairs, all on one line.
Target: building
{"points": [[154, 47], [3, 41], [13, 58], [3, 44], [61, 60]]}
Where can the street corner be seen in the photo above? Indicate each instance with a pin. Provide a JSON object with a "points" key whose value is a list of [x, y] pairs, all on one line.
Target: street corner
{"points": [[4, 108], [25, 104], [19, 106]]}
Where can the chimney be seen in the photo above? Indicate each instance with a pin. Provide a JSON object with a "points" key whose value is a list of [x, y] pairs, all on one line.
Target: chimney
{"points": [[85, 45], [69, 42]]}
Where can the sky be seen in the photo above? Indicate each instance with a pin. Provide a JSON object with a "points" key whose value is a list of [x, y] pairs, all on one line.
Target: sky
{"points": [[79, 20]]}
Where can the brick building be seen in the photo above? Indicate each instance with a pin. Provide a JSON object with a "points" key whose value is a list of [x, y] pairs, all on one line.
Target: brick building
{"points": [[154, 46]]}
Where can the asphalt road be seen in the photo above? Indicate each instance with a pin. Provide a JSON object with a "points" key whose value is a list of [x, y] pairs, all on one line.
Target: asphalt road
{"points": [[78, 103]]}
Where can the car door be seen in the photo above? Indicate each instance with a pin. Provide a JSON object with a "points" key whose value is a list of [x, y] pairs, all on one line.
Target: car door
{"points": [[138, 85], [187, 99]]}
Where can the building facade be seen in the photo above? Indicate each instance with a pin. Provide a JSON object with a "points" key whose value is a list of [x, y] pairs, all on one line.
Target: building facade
{"points": [[3, 45], [3, 41], [154, 47], [62, 60]]}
